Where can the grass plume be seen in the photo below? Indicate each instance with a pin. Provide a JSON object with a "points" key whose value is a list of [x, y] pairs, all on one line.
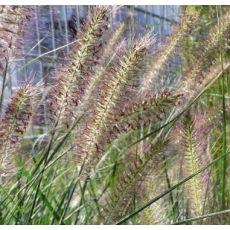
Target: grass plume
{"points": [[13, 125], [72, 76], [191, 165]]}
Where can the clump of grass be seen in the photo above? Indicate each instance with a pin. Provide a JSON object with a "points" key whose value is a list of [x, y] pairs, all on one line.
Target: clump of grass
{"points": [[107, 135]]}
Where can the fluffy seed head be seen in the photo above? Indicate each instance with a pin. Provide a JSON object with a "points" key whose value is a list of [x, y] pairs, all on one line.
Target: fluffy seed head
{"points": [[12, 127]]}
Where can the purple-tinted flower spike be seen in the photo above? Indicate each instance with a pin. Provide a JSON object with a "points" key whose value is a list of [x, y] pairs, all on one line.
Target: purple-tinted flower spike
{"points": [[74, 76], [13, 126]]}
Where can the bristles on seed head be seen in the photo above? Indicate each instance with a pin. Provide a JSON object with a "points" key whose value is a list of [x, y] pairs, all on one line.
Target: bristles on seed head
{"points": [[13, 126]]}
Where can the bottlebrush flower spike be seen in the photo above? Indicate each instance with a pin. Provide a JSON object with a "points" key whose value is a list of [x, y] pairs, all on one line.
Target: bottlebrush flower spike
{"points": [[74, 76], [105, 60], [151, 110], [191, 165], [159, 61], [119, 75], [12, 127], [13, 22]]}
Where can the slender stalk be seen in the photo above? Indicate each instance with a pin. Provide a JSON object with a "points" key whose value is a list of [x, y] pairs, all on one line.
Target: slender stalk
{"points": [[224, 118], [203, 216]]}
